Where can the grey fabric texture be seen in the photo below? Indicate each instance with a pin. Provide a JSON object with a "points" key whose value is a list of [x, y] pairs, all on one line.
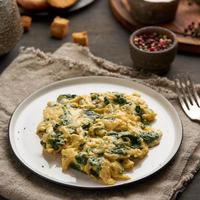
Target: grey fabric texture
{"points": [[33, 69]]}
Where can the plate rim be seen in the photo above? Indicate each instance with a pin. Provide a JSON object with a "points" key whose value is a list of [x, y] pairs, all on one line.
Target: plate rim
{"points": [[96, 78]]}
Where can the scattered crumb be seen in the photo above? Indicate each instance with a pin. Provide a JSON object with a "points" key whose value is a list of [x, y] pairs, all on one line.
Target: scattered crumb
{"points": [[26, 23], [59, 27], [80, 38]]}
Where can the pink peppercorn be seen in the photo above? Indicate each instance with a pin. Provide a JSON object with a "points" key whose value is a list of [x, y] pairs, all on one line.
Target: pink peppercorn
{"points": [[193, 30], [152, 41]]}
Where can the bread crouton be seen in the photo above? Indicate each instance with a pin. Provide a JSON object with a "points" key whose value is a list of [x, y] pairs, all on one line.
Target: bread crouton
{"points": [[80, 38], [26, 23], [59, 27], [61, 3]]}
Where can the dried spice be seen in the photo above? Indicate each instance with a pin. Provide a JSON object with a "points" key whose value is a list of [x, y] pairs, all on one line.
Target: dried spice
{"points": [[152, 42], [193, 30]]}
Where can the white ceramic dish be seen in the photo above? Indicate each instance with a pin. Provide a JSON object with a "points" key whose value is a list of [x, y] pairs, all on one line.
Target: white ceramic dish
{"points": [[26, 144]]}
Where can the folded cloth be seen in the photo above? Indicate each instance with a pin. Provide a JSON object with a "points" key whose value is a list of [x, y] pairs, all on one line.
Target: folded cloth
{"points": [[33, 69]]}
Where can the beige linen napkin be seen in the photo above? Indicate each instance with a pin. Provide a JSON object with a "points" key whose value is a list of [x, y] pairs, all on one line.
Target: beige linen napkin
{"points": [[33, 69]]}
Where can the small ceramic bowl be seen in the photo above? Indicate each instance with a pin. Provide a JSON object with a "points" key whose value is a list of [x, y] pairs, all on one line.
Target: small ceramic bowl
{"points": [[151, 12], [156, 61]]}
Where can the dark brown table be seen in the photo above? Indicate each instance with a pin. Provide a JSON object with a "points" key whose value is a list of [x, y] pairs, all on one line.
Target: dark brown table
{"points": [[108, 40]]}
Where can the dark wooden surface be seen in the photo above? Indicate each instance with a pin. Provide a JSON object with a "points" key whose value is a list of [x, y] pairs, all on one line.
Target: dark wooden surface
{"points": [[109, 40], [185, 15]]}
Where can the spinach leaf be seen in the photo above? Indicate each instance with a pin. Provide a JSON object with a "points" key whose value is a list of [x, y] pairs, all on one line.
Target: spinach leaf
{"points": [[66, 96], [91, 114], [55, 129], [65, 119], [64, 122], [96, 165], [94, 173], [75, 166], [94, 161], [119, 99], [106, 101], [86, 126], [149, 137], [43, 144], [66, 110], [56, 142], [82, 159], [139, 111], [135, 141], [56, 126], [118, 150], [94, 96], [59, 135], [82, 145]]}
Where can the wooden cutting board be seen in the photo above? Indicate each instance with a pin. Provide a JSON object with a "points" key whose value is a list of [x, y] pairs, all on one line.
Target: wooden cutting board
{"points": [[185, 15]]}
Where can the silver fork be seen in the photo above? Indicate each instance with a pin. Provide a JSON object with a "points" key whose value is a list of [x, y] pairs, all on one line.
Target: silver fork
{"points": [[188, 96]]}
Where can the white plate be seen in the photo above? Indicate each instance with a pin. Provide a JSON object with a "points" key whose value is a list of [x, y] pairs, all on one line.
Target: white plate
{"points": [[26, 144]]}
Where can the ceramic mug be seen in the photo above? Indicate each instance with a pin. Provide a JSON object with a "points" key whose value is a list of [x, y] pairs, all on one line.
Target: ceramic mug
{"points": [[151, 12]]}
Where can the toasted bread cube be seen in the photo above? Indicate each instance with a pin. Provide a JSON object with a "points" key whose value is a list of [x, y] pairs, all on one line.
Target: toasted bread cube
{"points": [[33, 4], [59, 27], [26, 23], [61, 3], [80, 38]]}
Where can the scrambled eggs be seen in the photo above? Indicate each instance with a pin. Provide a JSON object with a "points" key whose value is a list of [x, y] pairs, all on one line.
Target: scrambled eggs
{"points": [[101, 134]]}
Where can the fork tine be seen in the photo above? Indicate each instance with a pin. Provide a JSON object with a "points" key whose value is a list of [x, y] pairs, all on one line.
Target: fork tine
{"points": [[194, 92], [182, 102], [188, 90], [186, 99]]}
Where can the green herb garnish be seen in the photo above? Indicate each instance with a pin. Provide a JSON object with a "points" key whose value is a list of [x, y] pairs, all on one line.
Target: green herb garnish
{"points": [[94, 96], [149, 137], [56, 143], [139, 111], [96, 165], [82, 159], [106, 101], [66, 96], [118, 150], [119, 99], [135, 141], [86, 126], [94, 173], [43, 144], [75, 166], [64, 122]]}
